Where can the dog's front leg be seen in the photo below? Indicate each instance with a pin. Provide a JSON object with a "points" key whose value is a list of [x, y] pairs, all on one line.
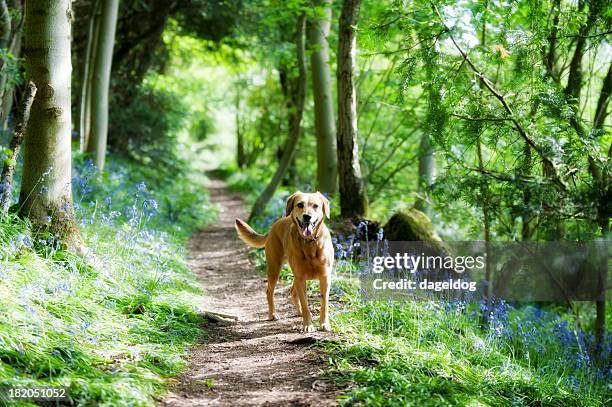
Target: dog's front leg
{"points": [[300, 287], [324, 285], [273, 273]]}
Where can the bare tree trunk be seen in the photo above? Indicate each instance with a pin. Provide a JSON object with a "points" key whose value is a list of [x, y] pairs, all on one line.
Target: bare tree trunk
{"points": [[297, 94], [240, 153], [46, 195], [101, 82], [527, 228], [5, 36], [323, 100], [484, 191], [7, 93], [5, 39], [427, 173], [353, 195], [87, 77]]}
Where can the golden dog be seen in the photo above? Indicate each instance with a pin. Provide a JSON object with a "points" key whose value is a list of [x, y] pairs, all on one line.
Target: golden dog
{"points": [[301, 239]]}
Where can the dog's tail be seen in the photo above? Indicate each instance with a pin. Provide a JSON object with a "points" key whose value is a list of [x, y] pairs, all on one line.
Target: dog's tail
{"points": [[249, 236]]}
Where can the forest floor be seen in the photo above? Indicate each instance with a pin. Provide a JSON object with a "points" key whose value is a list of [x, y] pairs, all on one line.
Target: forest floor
{"points": [[251, 361]]}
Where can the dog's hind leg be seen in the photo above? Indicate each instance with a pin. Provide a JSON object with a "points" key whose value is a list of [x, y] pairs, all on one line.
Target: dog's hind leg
{"points": [[295, 299]]}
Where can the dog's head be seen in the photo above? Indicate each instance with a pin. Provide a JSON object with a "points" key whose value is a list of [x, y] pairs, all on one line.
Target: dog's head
{"points": [[307, 211]]}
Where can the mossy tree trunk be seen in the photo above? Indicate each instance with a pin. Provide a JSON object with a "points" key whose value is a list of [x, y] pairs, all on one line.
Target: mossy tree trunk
{"points": [[322, 94], [46, 195], [101, 69], [353, 195]]}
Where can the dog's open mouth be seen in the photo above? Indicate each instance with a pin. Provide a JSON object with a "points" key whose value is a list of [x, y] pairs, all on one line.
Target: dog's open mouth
{"points": [[306, 227]]}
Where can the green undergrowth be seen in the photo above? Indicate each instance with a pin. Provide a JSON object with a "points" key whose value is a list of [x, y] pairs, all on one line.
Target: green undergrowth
{"points": [[435, 354], [113, 325]]}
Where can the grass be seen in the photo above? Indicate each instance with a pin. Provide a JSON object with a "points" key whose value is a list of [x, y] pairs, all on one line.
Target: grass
{"points": [[434, 354], [113, 326]]}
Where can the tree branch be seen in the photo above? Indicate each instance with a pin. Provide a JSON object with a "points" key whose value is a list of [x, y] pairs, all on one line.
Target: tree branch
{"points": [[512, 118]]}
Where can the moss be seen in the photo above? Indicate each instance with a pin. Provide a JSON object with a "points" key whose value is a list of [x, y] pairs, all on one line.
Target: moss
{"points": [[412, 225]]}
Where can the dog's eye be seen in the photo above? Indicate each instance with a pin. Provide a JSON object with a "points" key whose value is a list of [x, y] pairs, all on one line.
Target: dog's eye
{"points": [[300, 205], [315, 206]]}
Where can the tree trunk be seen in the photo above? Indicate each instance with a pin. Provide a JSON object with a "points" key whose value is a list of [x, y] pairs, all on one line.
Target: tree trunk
{"points": [[14, 46], [46, 195], [427, 173], [5, 38], [240, 153], [484, 191], [297, 94], [602, 178], [353, 195], [601, 112], [101, 82], [87, 77], [574, 80], [602, 287], [323, 100], [8, 170]]}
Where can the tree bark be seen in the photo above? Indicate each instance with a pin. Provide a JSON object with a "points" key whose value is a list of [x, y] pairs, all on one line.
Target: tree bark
{"points": [[5, 25], [5, 38], [323, 100], [550, 56], [427, 173], [574, 80], [101, 82], [297, 95], [240, 153], [6, 181], [46, 195], [87, 77], [601, 112], [7, 93], [353, 195]]}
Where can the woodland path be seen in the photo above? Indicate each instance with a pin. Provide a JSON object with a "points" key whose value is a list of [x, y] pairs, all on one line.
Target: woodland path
{"points": [[251, 362]]}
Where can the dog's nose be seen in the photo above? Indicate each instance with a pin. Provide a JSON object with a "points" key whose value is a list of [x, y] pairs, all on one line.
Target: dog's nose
{"points": [[306, 218]]}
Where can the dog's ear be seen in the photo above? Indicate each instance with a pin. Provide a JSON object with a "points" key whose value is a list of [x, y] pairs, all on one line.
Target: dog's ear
{"points": [[290, 202], [325, 204]]}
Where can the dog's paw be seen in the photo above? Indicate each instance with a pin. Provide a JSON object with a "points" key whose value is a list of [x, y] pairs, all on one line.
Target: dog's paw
{"points": [[308, 328], [326, 327], [273, 317]]}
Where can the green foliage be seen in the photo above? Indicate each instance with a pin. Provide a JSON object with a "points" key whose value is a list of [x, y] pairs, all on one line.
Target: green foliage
{"points": [[110, 326], [146, 129]]}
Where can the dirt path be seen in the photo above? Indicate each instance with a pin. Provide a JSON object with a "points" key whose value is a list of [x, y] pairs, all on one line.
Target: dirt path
{"points": [[251, 362]]}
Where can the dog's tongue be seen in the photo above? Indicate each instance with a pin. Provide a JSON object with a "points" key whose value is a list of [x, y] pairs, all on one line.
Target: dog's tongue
{"points": [[307, 231]]}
